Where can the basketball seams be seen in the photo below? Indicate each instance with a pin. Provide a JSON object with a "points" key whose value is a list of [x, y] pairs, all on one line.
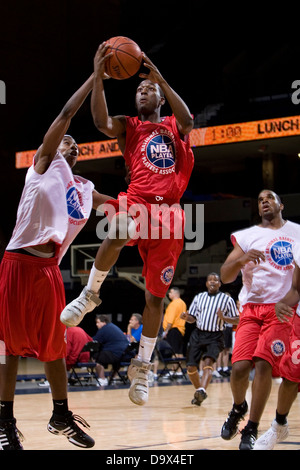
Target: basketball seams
{"points": [[116, 40], [117, 49], [121, 65], [127, 53], [126, 60], [119, 59]]}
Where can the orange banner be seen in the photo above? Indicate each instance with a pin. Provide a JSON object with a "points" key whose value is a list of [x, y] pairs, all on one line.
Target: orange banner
{"points": [[246, 131], [87, 151], [215, 135]]}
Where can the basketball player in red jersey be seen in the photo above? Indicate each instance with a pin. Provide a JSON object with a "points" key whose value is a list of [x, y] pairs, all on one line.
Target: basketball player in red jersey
{"points": [[53, 208], [160, 161]]}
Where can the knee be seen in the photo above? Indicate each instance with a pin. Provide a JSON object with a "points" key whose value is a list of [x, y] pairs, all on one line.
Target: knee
{"points": [[208, 365], [119, 229], [192, 369], [262, 367], [153, 303], [241, 370], [289, 386]]}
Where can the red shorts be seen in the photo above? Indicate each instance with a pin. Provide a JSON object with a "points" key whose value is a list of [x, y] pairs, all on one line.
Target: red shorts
{"points": [[290, 363], [261, 334], [32, 297], [159, 237]]}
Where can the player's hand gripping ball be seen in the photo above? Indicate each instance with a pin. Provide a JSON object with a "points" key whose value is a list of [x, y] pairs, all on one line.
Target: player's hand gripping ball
{"points": [[126, 58]]}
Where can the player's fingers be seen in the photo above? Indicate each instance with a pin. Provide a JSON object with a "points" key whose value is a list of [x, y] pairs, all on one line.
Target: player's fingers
{"points": [[284, 313], [107, 56], [146, 59]]}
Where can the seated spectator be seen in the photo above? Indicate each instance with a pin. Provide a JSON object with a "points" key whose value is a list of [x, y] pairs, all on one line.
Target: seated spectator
{"points": [[113, 345], [76, 340], [135, 327]]}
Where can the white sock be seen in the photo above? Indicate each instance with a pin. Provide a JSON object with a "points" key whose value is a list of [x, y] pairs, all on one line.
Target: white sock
{"points": [[96, 279], [146, 348]]}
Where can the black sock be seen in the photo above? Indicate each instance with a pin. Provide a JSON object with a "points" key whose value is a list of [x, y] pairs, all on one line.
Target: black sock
{"points": [[240, 407], [252, 425], [6, 409], [281, 419], [60, 407]]}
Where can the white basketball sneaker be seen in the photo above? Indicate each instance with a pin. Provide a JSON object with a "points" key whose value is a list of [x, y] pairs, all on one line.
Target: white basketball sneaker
{"points": [[74, 312], [276, 433], [138, 376]]}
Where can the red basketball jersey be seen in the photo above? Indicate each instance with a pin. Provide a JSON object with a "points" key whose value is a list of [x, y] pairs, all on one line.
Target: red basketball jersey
{"points": [[159, 160]]}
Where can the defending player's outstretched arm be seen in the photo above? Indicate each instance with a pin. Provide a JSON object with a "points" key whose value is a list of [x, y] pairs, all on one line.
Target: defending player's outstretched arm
{"points": [[59, 127]]}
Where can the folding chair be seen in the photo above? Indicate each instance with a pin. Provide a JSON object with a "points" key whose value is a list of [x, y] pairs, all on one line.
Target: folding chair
{"points": [[125, 361], [85, 378], [167, 357], [116, 370]]}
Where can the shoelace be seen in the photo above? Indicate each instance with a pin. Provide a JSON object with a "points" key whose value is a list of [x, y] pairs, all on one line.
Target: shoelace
{"points": [[265, 439], [20, 435], [248, 433], [80, 420], [233, 419], [72, 429]]}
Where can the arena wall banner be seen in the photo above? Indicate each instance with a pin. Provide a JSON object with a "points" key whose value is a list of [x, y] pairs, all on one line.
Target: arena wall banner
{"points": [[246, 131], [201, 137]]}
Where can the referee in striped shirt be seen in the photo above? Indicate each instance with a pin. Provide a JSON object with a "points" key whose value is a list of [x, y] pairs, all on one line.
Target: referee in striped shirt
{"points": [[210, 310]]}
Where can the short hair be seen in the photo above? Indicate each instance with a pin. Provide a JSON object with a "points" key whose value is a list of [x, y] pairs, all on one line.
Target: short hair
{"points": [[213, 274], [175, 288], [162, 95], [138, 316], [103, 318], [271, 191]]}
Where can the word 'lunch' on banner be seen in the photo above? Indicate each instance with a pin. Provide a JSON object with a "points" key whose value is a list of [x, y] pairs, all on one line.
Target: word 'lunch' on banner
{"points": [[246, 131], [201, 137]]}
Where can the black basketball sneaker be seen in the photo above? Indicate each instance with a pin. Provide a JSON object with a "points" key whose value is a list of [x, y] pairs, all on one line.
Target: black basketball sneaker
{"points": [[65, 425], [10, 436], [230, 427]]}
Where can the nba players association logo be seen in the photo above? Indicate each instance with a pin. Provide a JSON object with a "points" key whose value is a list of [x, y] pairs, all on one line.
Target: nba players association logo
{"points": [[158, 152], [167, 274], [278, 347], [279, 253], [75, 209]]}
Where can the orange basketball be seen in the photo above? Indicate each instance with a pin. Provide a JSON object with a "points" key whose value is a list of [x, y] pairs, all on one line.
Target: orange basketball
{"points": [[126, 59]]}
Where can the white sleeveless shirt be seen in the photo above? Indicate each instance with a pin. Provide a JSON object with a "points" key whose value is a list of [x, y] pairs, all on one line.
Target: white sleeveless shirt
{"points": [[54, 207], [270, 280]]}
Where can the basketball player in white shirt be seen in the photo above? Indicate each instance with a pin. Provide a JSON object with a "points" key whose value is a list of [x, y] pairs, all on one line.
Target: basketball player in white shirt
{"points": [[54, 207], [289, 365], [264, 254]]}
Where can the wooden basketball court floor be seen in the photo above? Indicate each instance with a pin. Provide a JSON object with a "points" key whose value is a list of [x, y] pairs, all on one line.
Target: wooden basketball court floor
{"points": [[169, 422]]}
